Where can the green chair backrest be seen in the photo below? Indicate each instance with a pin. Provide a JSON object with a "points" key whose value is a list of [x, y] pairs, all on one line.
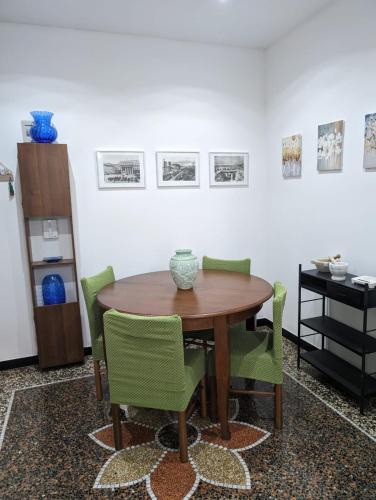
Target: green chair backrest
{"points": [[145, 359], [236, 266], [279, 300], [90, 287]]}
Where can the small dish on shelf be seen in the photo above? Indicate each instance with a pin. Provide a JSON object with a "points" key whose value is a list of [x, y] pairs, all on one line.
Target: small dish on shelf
{"points": [[53, 259]]}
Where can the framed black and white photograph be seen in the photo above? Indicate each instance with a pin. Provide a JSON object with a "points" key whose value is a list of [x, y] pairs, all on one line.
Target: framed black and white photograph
{"points": [[120, 169], [178, 169], [228, 169]]}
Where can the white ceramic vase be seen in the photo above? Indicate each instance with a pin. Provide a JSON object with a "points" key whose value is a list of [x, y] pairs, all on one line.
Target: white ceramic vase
{"points": [[184, 267]]}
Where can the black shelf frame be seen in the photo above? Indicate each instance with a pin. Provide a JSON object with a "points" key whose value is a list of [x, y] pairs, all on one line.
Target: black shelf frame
{"points": [[356, 382]]}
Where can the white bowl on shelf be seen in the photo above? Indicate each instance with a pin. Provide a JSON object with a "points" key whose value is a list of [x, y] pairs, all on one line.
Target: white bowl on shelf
{"points": [[338, 270]]}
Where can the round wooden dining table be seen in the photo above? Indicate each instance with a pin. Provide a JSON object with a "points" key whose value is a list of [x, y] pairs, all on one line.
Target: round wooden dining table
{"points": [[218, 300]]}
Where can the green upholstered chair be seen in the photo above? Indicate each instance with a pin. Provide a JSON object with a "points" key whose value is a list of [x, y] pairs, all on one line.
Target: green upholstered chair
{"points": [[148, 366], [90, 287], [236, 266], [259, 355]]}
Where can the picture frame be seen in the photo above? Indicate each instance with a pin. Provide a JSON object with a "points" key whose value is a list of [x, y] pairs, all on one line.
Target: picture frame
{"points": [[330, 144], [369, 156], [26, 126], [178, 168], [292, 156], [120, 169], [228, 169]]}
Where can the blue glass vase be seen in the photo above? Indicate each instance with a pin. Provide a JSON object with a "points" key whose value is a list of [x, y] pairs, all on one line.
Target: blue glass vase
{"points": [[53, 289], [43, 130]]}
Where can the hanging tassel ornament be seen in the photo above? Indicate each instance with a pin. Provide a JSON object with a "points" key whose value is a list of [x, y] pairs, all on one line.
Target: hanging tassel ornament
{"points": [[7, 175], [11, 188]]}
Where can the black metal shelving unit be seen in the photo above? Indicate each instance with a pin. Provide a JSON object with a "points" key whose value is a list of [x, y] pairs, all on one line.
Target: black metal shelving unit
{"points": [[357, 382]]}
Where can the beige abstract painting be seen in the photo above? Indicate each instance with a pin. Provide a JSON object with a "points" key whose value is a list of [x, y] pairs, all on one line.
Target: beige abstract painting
{"points": [[292, 156]]}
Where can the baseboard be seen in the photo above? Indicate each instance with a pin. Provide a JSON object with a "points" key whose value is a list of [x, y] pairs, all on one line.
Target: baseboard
{"points": [[28, 361], [288, 335], [18, 362]]}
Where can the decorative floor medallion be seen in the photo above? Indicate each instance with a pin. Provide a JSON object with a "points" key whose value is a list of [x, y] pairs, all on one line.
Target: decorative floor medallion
{"points": [[151, 453], [46, 451]]}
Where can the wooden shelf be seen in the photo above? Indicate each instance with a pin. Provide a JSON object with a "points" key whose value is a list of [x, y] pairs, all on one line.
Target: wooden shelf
{"points": [[43, 306], [340, 371], [44, 176], [352, 339], [62, 262], [59, 334]]}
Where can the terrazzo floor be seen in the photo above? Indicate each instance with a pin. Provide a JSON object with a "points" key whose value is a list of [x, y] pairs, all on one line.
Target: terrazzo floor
{"points": [[325, 450], [333, 396]]}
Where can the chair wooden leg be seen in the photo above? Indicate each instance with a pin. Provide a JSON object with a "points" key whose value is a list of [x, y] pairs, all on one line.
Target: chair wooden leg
{"points": [[278, 406], [98, 380], [203, 402], [213, 399], [183, 439], [116, 424]]}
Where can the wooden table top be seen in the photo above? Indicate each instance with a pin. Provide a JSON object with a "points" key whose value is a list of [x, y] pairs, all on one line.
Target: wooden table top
{"points": [[215, 293]]}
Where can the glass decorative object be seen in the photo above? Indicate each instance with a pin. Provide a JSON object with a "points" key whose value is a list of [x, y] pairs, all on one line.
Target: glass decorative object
{"points": [[53, 289], [184, 267], [43, 130]]}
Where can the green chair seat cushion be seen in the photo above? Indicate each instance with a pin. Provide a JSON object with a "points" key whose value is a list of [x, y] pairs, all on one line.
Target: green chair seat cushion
{"points": [[257, 355], [147, 364], [252, 357]]}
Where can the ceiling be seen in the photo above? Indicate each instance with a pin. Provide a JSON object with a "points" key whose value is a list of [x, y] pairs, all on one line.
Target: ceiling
{"points": [[246, 23]]}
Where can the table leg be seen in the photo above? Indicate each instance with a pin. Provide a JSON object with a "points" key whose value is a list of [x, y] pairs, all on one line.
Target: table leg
{"points": [[222, 370]]}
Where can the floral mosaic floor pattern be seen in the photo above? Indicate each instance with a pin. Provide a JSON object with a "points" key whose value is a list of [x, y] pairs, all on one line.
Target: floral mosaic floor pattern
{"points": [[151, 453], [46, 419]]}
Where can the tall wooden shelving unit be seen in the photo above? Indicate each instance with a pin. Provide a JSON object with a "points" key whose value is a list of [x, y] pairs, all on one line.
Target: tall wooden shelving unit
{"points": [[44, 175]]}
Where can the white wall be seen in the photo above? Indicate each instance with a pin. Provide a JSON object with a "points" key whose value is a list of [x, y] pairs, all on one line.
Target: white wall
{"points": [[110, 91], [322, 72]]}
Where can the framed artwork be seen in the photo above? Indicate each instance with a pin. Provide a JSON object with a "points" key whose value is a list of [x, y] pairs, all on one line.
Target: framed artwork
{"points": [[292, 156], [228, 169], [120, 169], [369, 159], [26, 126], [178, 169], [330, 146]]}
